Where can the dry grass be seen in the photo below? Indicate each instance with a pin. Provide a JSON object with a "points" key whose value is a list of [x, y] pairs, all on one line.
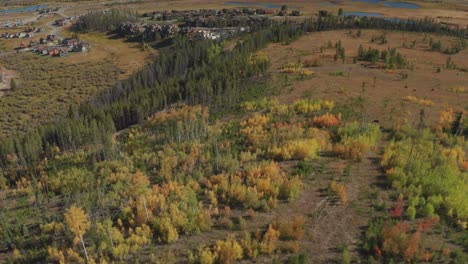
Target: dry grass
{"points": [[383, 91], [127, 56]]}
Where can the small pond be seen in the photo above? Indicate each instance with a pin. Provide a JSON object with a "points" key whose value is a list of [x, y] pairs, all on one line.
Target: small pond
{"points": [[265, 5], [23, 9], [362, 14]]}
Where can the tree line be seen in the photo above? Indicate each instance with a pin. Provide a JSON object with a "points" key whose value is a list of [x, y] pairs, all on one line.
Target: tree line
{"points": [[192, 72]]}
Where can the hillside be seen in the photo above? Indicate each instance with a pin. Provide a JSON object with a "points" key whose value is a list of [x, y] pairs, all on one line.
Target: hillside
{"points": [[235, 135]]}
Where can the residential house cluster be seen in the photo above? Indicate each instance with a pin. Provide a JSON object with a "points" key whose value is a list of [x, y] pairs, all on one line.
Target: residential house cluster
{"points": [[8, 24], [206, 23], [132, 29], [213, 33], [63, 21], [183, 15], [52, 46], [28, 33]]}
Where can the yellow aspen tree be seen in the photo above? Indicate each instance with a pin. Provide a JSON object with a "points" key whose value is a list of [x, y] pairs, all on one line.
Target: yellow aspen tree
{"points": [[78, 223]]}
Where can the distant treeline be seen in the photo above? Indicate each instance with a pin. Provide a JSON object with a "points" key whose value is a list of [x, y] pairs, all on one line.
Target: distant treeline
{"points": [[193, 72], [429, 25], [111, 20], [104, 20]]}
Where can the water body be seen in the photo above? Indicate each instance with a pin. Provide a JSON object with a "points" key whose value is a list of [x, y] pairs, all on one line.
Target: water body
{"points": [[23, 9], [362, 14], [367, 1], [265, 5], [401, 5], [390, 4]]}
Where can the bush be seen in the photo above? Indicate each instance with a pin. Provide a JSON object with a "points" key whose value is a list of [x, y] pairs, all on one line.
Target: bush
{"points": [[206, 256], [298, 259], [290, 230], [227, 251], [303, 149], [345, 256]]}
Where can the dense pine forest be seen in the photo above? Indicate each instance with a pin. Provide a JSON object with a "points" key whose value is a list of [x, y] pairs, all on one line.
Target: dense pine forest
{"points": [[190, 145]]}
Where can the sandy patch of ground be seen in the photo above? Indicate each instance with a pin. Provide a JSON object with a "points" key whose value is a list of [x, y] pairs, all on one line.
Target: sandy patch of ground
{"points": [[5, 79]]}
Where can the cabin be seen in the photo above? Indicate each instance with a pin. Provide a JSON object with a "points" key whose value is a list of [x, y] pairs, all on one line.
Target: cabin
{"points": [[51, 38], [81, 47], [295, 13], [70, 42], [60, 22]]}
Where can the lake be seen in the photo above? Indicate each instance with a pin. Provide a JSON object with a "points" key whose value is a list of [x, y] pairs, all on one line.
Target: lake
{"points": [[23, 9], [265, 5], [362, 14], [390, 4], [401, 5]]}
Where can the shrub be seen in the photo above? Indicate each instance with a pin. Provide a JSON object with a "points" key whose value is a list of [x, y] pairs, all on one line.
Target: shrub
{"points": [[340, 190], [168, 232], [206, 256], [326, 120], [303, 149], [269, 242], [290, 230], [227, 251], [345, 256]]}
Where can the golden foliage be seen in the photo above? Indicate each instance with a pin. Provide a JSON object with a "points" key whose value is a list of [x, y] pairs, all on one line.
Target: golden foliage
{"points": [[227, 251], [302, 149], [340, 190], [206, 256], [56, 255], [291, 229], [77, 221], [326, 120], [414, 99], [305, 106], [269, 241]]}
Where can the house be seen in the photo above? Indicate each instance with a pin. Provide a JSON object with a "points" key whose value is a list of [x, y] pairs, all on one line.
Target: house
{"points": [[51, 38], [60, 22], [63, 53], [81, 47], [23, 45], [70, 42], [40, 48], [295, 13]]}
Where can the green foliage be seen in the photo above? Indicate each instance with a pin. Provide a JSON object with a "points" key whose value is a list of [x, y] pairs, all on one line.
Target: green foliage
{"points": [[345, 256], [391, 58], [104, 20], [381, 39], [298, 259], [433, 178]]}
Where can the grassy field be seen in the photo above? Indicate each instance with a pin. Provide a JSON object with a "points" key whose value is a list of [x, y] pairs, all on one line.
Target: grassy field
{"points": [[382, 91], [46, 86]]}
